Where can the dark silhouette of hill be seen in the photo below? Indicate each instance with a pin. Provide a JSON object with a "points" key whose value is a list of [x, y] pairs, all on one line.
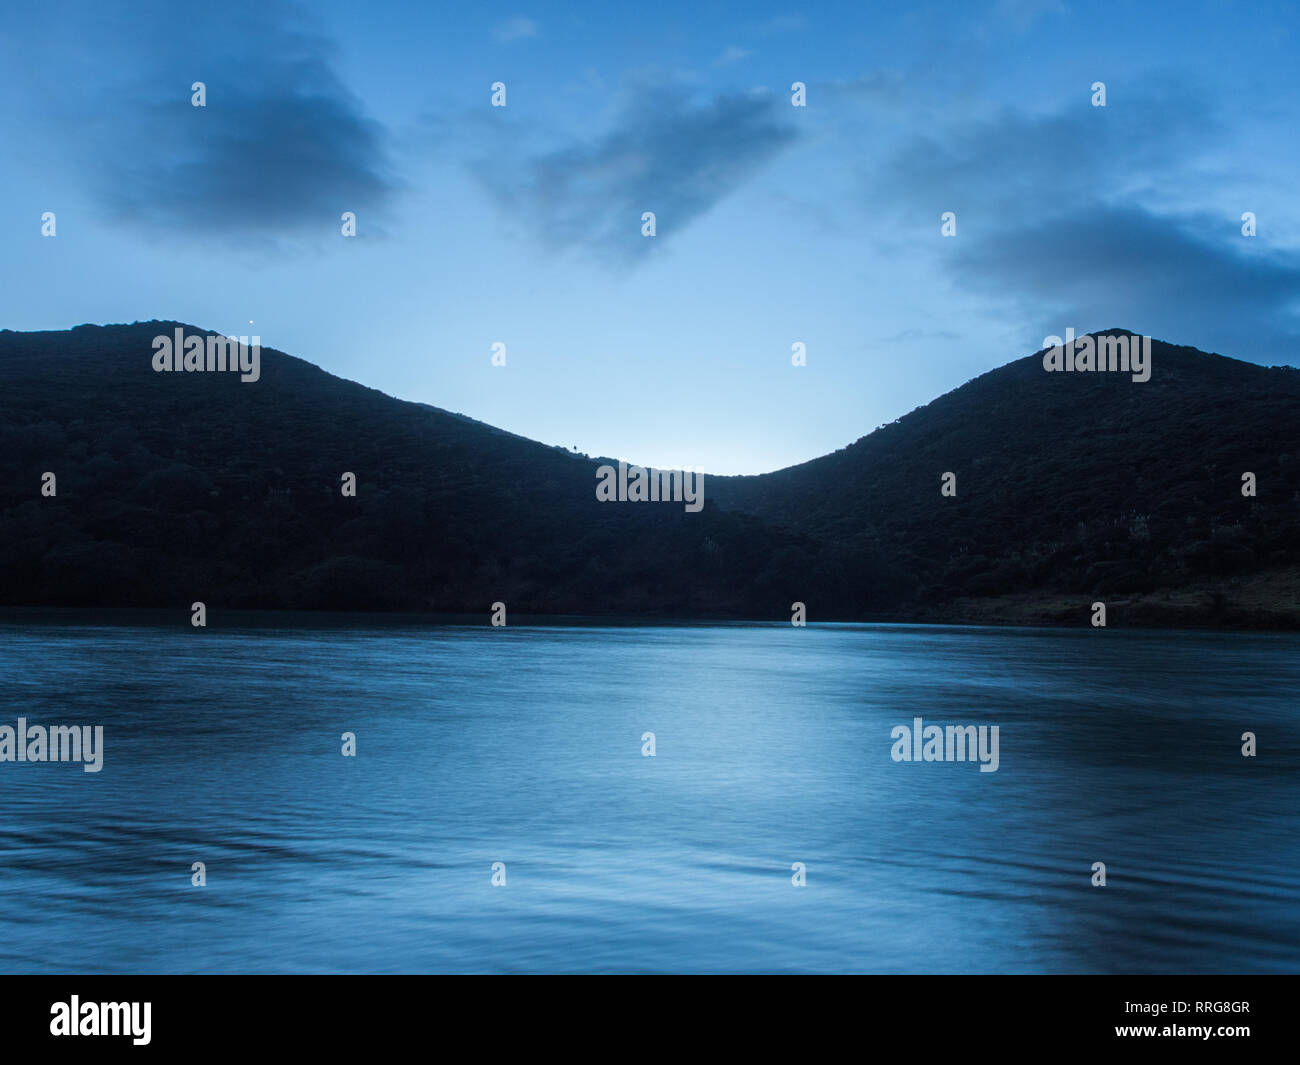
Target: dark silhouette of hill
{"points": [[175, 487], [1087, 484]]}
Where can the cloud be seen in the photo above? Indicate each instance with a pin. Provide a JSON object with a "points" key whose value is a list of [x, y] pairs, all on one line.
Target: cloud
{"points": [[731, 54], [516, 29], [1095, 218], [1011, 164], [1020, 15], [664, 153], [782, 24], [282, 147], [909, 335], [1186, 279]]}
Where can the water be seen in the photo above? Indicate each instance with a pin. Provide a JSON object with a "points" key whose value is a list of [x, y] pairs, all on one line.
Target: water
{"points": [[523, 745]]}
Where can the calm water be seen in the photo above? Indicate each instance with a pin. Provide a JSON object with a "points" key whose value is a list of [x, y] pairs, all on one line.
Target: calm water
{"points": [[523, 746]]}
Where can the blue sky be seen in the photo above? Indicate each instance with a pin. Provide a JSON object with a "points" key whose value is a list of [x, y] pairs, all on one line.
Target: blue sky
{"points": [[775, 224]]}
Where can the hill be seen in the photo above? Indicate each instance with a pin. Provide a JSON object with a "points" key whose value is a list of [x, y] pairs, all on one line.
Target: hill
{"points": [[1068, 485], [175, 487]]}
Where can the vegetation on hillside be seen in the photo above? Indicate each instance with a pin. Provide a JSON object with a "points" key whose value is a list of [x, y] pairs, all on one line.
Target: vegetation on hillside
{"points": [[175, 487]]}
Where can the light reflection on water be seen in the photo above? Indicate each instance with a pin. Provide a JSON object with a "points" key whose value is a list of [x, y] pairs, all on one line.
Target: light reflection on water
{"points": [[523, 745]]}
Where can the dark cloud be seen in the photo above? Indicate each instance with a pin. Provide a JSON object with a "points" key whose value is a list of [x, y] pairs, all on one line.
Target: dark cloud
{"points": [[664, 153], [1096, 218], [281, 148], [1183, 279], [1015, 164]]}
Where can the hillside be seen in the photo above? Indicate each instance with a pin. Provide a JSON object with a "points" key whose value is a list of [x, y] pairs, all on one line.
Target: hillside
{"points": [[177, 487], [1068, 485]]}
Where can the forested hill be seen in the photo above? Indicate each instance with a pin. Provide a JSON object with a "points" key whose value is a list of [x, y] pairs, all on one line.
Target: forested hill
{"points": [[1086, 483], [175, 487]]}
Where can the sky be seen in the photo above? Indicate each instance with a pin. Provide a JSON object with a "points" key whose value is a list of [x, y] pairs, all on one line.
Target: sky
{"points": [[775, 224]]}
